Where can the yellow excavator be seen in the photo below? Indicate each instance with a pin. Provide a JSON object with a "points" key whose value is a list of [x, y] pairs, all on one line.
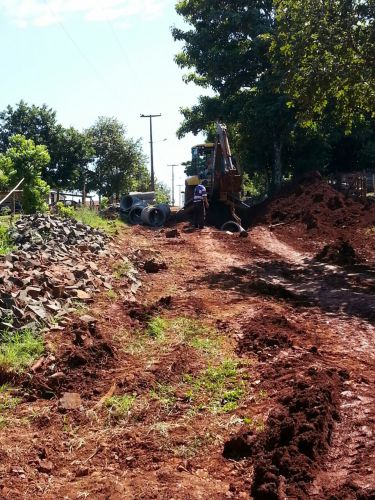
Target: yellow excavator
{"points": [[214, 164]]}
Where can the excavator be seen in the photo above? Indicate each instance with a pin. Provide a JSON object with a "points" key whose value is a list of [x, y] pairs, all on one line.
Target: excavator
{"points": [[214, 164]]}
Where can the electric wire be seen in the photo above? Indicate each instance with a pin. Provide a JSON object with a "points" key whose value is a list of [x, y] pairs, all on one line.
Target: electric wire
{"points": [[82, 54]]}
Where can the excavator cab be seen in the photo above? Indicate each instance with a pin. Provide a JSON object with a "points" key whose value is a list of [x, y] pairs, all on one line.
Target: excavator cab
{"points": [[213, 163]]}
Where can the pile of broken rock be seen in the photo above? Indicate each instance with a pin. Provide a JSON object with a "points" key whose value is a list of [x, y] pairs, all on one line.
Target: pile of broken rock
{"points": [[55, 263]]}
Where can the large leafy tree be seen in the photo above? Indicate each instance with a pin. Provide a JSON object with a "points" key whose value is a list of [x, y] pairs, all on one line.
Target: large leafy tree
{"points": [[227, 49], [70, 151], [6, 172], [326, 49], [119, 163], [74, 153], [247, 53], [24, 160]]}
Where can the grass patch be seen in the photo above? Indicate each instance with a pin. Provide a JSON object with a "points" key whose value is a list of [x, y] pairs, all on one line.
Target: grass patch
{"points": [[192, 448], [189, 329], [256, 424], [194, 333], [122, 269], [165, 394], [120, 406], [6, 244], [111, 294], [217, 389], [93, 219], [157, 328], [8, 402], [206, 345], [19, 350]]}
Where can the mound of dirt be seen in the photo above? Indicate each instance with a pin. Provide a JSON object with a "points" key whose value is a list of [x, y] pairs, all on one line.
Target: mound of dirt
{"points": [[180, 361], [74, 367], [141, 314], [312, 202], [297, 435], [340, 253], [269, 331]]}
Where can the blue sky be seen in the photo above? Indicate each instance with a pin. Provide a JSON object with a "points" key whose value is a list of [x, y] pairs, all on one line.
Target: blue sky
{"points": [[86, 58]]}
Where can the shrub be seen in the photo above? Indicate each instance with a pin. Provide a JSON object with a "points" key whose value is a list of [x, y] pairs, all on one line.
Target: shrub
{"points": [[63, 211]]}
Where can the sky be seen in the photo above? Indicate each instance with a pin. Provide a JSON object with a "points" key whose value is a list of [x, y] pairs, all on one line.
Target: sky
{"points": [[90, 58]]}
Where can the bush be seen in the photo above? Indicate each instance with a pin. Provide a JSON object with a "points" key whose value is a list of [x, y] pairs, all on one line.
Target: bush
{"points": [[63, 211], [104, 203], [5, 241]]}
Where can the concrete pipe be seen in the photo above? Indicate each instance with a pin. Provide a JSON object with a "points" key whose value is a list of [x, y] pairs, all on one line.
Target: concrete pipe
{"points": [[165, 209], [130, 200], [127, 202], [233, 227], [149, 197], [153, 216], [135, 214]]}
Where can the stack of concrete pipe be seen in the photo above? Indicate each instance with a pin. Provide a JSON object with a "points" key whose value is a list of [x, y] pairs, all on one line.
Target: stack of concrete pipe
{"points": [[140, 208]]}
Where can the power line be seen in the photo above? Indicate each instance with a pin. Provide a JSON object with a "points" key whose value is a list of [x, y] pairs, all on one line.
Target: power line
{"points": [[135, 74], [78, 48]]}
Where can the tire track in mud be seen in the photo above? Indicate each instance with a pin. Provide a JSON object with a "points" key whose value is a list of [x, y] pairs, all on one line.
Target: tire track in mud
{"points": [[346, 343], [340, 364]]}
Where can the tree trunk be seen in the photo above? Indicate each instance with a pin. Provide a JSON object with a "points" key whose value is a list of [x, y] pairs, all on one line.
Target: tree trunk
{"points": [[277, 170]]}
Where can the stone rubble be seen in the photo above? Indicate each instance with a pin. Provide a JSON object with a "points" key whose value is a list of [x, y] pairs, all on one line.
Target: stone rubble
{"points": [[56, 264]]}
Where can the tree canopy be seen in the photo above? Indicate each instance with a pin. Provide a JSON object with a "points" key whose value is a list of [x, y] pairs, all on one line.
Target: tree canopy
{"points": [[24, 160], [246, 52], [101, 158], [327, 52], [119, 163]]}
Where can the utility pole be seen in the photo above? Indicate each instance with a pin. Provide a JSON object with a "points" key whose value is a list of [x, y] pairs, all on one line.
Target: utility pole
{"points": [[152, 150], [173, 165], [179, 194]]}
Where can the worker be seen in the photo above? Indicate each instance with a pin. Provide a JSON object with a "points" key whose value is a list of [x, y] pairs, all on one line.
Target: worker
{"points": [[200, 205]]}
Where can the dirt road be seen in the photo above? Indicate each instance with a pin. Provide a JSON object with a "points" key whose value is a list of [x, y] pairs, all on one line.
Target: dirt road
{"points": [[243, 369]]}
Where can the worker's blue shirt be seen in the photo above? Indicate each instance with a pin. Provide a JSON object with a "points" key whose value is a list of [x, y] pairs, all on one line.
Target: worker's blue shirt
{"points": [[200, 193]]}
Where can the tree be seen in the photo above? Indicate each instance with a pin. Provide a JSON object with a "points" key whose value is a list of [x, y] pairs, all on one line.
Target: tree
{"points": [[163, 193], [69, 149], [74, 153], [119, 163], [228, 47], [6, 172], [327, 51], [24, 160], [240, 50]]}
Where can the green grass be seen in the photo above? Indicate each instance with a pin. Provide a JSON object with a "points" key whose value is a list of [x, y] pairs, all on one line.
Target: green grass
{"points": [[93, 219], [122, 269], [194, 446], [112, 295], [6, 245], [164, 394], [3, 422], [8, 402], [120, 406], [156, 328], [190, 331], [217, 389], [19, 350], [257, 424]]}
